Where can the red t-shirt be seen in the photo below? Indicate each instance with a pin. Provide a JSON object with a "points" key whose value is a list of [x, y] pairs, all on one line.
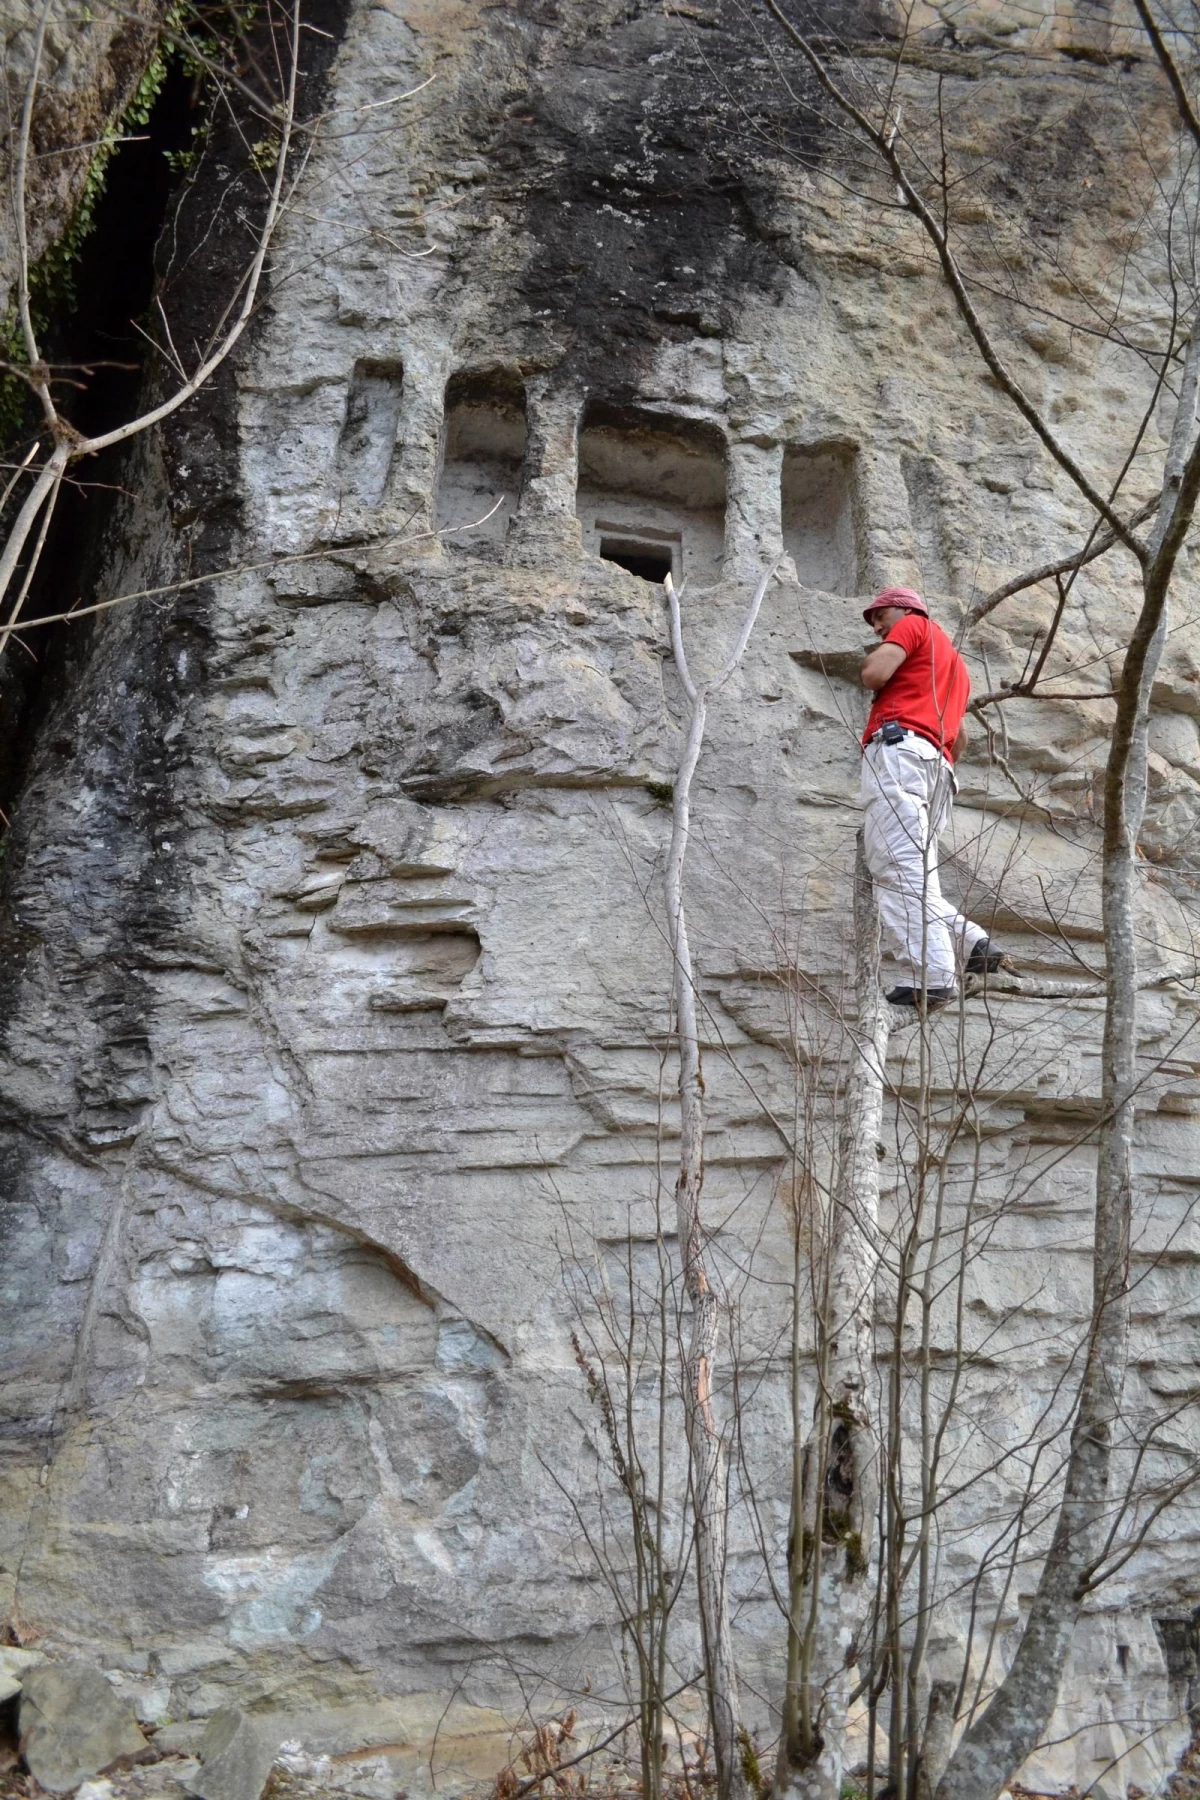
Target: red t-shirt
{"points": [[929, 691]]}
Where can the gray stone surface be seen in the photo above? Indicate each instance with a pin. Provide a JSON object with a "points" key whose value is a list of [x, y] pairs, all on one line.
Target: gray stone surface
{"points": [[335, 980], [14, 1666], [72, 1725], [236, 1754]]}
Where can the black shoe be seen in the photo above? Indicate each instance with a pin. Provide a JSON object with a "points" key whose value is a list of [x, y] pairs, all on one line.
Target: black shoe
{"points": [[984, 958], [908, 996]]}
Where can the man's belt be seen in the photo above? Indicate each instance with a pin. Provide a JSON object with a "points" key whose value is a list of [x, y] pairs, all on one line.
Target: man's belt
{"points": [[909, 731]]}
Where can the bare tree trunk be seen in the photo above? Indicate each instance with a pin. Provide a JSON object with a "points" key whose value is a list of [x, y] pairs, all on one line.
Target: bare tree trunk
{"points": [[835, 1479], [1011, 1724], [706, 1445]]}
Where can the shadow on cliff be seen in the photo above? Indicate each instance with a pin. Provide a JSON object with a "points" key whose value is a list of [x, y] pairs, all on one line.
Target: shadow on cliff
{"points": [[640, 155], [93, 716]]}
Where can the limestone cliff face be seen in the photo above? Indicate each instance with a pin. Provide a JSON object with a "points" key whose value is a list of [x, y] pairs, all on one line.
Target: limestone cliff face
{"points": [[335, 985]]}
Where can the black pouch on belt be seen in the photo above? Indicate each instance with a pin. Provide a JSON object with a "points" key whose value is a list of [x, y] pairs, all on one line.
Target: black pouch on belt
{"points": [[892, 732]]}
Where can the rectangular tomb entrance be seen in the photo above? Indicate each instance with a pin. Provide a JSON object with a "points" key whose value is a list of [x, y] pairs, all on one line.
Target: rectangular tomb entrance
{"points": [[483, 453], [651, 493]]}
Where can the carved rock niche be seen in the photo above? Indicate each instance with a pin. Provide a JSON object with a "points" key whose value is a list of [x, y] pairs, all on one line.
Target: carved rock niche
{"points": [[368, 438], [651, 493], [483, 453], [818, 517]]}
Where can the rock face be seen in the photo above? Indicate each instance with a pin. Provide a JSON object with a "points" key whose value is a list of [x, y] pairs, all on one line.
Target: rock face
{"points": [[335, 983], [235, 1757], [14, 1666]]}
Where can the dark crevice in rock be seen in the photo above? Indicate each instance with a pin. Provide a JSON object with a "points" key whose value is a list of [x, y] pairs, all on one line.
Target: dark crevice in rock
{"points": [[100, 354], [94, 865], [109, 698]]}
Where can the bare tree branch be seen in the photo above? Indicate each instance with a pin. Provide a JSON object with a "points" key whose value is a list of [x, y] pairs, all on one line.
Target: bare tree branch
{"points": [[884, 142], [1170, 69], [1098, 543]]}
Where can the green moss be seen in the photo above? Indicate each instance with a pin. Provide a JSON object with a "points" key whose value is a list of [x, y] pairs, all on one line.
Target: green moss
{"points": [[751, 1768], [856, 1556], [837, 1529], [52, 290], [52, 287], [662, 791]]}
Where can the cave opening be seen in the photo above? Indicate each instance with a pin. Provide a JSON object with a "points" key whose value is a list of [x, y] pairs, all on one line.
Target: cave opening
{"points": [[93, 342], [115, 273]]}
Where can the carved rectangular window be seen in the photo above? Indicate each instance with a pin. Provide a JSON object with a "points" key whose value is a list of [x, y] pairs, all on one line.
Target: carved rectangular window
{"points": [[651, 494], [650, 554]]}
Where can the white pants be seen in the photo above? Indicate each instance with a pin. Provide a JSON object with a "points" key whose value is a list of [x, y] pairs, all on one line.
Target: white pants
{"points": [[908, 791]]}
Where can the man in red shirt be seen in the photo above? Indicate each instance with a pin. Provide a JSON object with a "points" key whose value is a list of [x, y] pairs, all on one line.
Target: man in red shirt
{"points": [[914, 732]]}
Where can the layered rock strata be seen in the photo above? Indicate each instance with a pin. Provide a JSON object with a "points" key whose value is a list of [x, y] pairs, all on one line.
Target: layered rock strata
{"points": [[337, 1066]]}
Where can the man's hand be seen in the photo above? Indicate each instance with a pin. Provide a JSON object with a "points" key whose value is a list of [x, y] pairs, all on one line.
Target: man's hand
{"points": [[880, 665]]}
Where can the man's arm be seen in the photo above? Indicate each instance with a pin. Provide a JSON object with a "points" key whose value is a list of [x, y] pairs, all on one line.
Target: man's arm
{"points": [[958, 747], [880, 665]]}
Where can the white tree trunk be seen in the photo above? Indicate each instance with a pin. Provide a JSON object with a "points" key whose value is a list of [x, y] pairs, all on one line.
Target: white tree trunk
{"points": [[836, 1480], [706, 1445]]}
